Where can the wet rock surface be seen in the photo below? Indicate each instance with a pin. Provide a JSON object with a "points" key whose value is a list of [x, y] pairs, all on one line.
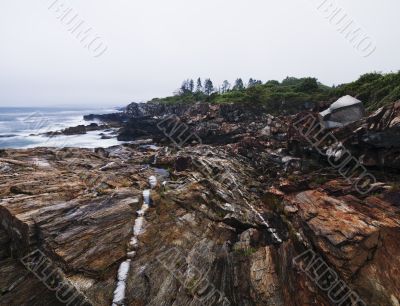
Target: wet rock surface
{"points": [[80, 129], [228, 215]]}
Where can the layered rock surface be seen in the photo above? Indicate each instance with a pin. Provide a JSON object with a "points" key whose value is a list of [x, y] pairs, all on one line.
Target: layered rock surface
{"points": [[229, 214]]}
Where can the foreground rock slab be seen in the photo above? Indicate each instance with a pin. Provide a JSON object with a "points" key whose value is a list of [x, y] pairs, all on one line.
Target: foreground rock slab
{"points": [[226, 219]]}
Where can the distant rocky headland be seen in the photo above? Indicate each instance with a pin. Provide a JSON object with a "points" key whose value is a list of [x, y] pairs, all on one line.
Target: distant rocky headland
{"points": [[208, 204]]}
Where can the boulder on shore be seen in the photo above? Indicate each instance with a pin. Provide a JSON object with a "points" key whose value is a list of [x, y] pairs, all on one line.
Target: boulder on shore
{"points": [[343, 112]]}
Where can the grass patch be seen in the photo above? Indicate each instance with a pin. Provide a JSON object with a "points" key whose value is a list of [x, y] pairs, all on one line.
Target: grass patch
{"points": [[246, 252]]}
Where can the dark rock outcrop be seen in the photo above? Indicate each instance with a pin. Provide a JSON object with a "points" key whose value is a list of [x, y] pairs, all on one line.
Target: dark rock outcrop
{"points": [[213, 124]]}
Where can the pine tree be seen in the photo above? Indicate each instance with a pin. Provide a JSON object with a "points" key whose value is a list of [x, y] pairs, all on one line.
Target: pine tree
{"points": [[253, 82], [208, 87], [199, 87], [191, 85], [238, 85], [226, 86], [184, 87]]}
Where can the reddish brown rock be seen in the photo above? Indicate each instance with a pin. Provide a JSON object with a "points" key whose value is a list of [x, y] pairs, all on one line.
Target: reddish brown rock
{"points": [[356, 237]]}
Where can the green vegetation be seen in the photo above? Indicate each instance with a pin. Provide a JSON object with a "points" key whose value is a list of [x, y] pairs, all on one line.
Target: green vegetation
{"points": [[292, 94], [246, 252], [374, 89]]}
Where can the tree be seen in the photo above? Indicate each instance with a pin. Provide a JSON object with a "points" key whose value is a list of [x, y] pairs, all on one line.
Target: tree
{"points": [[184, 87], [308, 85], [253, 82], [208, 87], [226, 86], [191, 85], [272, 83], [199, 87], [290, 81], [238, 85]]}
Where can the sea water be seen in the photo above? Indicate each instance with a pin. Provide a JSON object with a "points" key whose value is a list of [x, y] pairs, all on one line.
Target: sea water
{"points": [[20, 126]]}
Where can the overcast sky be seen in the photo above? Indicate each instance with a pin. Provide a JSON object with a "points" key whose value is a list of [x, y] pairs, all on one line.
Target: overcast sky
{"points": [[154, 44]]}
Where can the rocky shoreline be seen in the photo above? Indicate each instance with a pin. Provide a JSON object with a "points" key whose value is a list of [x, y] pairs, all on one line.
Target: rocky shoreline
{"points": [[240, 197]]}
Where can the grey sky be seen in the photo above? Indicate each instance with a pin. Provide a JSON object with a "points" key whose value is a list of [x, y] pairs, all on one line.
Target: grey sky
{"points": [[153, 45]]}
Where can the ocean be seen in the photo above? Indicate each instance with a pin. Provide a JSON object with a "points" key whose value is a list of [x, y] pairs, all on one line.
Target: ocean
{"points": [[19, 127]]}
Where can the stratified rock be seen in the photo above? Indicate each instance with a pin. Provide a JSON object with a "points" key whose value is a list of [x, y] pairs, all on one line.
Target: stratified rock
{"points": [[231, 209], [356, 237]]}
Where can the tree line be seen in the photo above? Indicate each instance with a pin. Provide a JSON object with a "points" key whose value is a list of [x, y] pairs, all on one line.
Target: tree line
{"points": [[290, 95], [207, 87]]}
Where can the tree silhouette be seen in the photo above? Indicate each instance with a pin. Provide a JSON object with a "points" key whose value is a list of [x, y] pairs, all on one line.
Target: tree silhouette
{"points": [[308, 85], [238, 85], [208, 87], [253, 82], [199, 87], [226, 86], [185, 87], [191, 85]]}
